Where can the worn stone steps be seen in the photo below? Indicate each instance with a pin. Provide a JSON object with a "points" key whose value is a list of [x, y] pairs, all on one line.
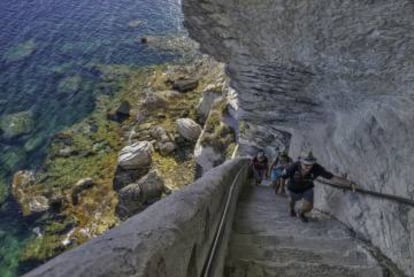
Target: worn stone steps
{"points": [[266, 241], [248, 268]]}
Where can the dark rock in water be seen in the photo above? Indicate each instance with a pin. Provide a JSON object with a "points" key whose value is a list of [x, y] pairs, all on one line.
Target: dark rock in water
{"points": [[185, 85], [144, 40], [137, 196]]}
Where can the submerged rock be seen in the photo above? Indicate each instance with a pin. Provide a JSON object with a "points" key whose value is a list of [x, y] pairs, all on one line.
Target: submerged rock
{"points": [[188, 128], [20, 51], [135, 23], [17, 124]]}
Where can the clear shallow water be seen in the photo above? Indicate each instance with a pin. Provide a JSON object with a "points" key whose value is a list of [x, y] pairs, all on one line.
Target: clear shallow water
{"points": [[48, 50]]}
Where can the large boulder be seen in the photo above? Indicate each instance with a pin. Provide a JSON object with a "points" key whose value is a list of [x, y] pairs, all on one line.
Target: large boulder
{"points": [[153, 100], [188, 128], [210, 95], [135, 197], [137, 155], [134, 161], [207, 158]]}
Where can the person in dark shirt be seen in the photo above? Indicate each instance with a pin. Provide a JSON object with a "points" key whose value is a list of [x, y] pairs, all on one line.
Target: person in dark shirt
{"points": [[259, 165], [301, 175]]}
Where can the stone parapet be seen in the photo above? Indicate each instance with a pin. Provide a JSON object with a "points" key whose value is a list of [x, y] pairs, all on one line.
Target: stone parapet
{"points": [[171, 238]]}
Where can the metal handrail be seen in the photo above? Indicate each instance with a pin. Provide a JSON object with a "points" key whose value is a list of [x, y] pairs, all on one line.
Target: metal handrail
{"points": [[206, 272], [390, 197]]}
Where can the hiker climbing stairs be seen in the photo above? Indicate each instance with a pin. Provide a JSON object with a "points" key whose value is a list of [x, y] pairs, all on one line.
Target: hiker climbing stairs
{"points": [[267, 242]]}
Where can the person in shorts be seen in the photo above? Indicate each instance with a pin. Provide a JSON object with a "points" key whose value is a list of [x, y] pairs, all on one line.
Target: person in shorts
{"points": [[301, 175], [276, 169]]}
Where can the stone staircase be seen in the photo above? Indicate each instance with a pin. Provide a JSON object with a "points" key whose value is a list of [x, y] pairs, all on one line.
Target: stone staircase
{"points": [[267, 242]]}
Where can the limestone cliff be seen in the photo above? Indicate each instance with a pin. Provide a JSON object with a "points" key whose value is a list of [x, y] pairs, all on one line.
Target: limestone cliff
{"points": [[338, 76]]}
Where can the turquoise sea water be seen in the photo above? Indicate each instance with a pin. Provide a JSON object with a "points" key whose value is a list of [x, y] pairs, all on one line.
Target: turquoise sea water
{"points": [[48, 50]]}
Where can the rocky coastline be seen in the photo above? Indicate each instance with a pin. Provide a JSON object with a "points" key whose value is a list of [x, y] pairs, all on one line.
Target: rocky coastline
{"points": [[136, 147]]}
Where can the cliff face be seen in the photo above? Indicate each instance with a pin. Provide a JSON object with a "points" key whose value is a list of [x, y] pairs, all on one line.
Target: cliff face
{"points": [[338, 77]]}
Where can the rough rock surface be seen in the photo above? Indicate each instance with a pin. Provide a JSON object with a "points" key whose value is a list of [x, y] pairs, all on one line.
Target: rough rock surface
{"points": [[134, 161], [164, 142], [207, 158], [29, 203], [134, 197], [188, 129], [135, 156], [209, 96], [336, 75]]}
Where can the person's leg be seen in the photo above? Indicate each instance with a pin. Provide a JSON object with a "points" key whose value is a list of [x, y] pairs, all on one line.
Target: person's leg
{"points": [[293, 197], [256, 175], [282, 186], [307, 205]]}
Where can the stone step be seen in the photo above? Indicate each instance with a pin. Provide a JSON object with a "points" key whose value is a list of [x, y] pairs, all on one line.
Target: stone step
{"points": [[290, 254], [249, 268], [289, 241]]}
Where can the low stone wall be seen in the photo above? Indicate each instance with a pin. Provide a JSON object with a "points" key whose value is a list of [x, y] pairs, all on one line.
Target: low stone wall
{"points": [[171, 238]]}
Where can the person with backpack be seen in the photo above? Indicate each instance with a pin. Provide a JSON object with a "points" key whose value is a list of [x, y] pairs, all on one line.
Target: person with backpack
{"points": [[301, 175], [279, 164], [259, 165]]}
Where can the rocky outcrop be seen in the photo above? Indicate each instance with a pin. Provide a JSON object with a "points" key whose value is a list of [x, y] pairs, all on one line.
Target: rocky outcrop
{"points": [[332, 76], [135, 156], [185, 85], [188, 128], [210, 95], [134, 161], [135, 197], [30, 203], [165, 143]]}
